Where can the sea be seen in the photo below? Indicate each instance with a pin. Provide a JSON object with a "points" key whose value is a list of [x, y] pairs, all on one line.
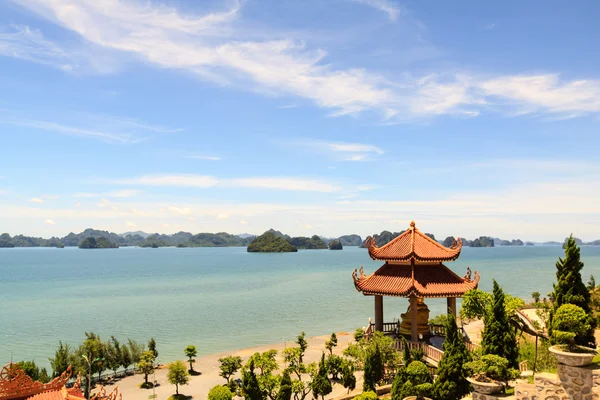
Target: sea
{"points": [[218, 299]]}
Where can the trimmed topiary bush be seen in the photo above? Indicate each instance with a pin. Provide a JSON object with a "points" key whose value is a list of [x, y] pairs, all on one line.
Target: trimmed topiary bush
{"points": [[568, 322], [220, 393], [366, 396], [491, 368]]}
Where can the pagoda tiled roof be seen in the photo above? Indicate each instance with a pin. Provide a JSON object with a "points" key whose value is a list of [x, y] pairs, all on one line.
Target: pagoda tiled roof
{"points": [[413, 244], [405, 280]]}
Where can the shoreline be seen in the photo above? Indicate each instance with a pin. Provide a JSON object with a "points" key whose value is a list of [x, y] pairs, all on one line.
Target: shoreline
{"points": [[208, 366]]}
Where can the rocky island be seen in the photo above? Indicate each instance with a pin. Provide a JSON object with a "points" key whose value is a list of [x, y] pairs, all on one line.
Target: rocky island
{"points": [[268, 242]]}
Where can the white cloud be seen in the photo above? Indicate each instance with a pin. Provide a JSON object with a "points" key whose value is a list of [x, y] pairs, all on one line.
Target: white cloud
{"points": [[207, 158], [115, 208], [355, 148], [178, 210], [130, 224], [182, 180], [138, 212], [104, 203], [50, 222], [29, 44], [386, 6], [202, 181], [123, 193], [490, 26], [342, 151], [545, 94], [213, 47], [293, 184], [222, 216], [36, 200], [50, 197], [86, 195], [243, 222], [77, 204], [308, 226]]}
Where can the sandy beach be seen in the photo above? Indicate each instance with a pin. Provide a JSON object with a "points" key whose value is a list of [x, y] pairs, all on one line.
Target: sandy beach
{"points": [[208, 365]]}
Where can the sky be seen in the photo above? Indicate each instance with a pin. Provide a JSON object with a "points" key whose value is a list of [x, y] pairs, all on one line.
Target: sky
{"points": [[321, 117]]}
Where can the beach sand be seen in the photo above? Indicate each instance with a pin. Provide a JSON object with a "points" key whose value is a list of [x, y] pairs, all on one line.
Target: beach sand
{"points": [[208, 365]]}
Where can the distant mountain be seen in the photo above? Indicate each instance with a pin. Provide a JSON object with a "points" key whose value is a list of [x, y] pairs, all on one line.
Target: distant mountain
{"points": [[247, 235], [138, 233], [594, 243], [312, 243], [335, 245], [482, 241], [73, 239], [100, 243], [268, 242], [551, 243], [279, 234], [350, 240], [383, 238]]}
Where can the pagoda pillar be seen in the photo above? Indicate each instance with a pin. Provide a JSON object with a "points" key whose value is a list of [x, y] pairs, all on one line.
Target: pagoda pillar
{"points": [[413, 318], [451, 306], [379, 313]]}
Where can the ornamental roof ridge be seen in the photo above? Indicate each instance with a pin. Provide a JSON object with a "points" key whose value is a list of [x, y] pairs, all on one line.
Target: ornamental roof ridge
{"points": [[413, 244]]}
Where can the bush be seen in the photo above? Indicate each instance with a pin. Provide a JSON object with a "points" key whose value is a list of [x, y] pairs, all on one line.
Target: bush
{"points": [[568, 322], [413, 380], [366, 396], [359, 334], [220, 393], [491, 368]]}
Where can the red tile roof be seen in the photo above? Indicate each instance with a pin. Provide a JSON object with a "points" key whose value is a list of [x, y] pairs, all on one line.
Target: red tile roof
{"points": [[426, 281], [413, 244]]}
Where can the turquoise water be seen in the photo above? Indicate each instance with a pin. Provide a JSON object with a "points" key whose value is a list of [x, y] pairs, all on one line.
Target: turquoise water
{"points": [[216, 298]]}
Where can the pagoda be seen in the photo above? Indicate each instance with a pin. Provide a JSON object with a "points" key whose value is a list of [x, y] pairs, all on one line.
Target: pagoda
{"points": [[15, 384], [414, 269]]}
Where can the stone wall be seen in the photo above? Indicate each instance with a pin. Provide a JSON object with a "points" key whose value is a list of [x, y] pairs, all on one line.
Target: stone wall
{"points": [[570, 383]]}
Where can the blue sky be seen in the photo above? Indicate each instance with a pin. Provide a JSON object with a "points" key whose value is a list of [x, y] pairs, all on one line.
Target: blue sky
{"points": [[319, 116]]}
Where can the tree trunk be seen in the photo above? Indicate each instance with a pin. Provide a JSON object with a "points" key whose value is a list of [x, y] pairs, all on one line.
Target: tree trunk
{"points": [[146, 378], [177, 389]]}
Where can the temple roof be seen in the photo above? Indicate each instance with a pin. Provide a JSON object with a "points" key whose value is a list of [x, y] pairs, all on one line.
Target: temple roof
{"points": [[16, 385], [413, 244], [405, 280]]}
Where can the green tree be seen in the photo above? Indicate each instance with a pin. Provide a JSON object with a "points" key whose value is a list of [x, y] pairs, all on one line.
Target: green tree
{"points": [[178, 375], [266, 363], [62, 359], [34, 372], [152, 347], [406, 357], [334, 364], [285, 386], [220, 393], [373, 369], [498, 337], [125, 357], [536, 297], [229, 366], [135, 351], [146, 365], [250, 387], [321, 385], [591, 283], [301, 341], [93, 351], [190, 353], [570, 289], [113, 354], [451, 382], [301, 387], [348, 377], [331, 343], [568, 322]]}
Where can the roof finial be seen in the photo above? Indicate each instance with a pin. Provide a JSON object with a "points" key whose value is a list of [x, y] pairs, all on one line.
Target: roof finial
{"points": [[412, 224]]}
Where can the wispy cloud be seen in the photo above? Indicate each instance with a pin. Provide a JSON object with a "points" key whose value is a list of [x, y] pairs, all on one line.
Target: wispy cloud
{"points": [[116, 193], [490, 26], [204, 181], [106, 128], [207, 158], [50, 222], [29, 44], [213, 47], [387, 6], [342, 151], [36, 200], [50, 197]]}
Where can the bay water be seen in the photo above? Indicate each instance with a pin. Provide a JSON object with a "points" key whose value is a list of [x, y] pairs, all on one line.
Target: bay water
{"points": [[218, 299]]}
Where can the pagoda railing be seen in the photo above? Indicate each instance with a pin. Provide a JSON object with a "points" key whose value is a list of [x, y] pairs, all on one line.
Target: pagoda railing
{"points": [[391, 328]]}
